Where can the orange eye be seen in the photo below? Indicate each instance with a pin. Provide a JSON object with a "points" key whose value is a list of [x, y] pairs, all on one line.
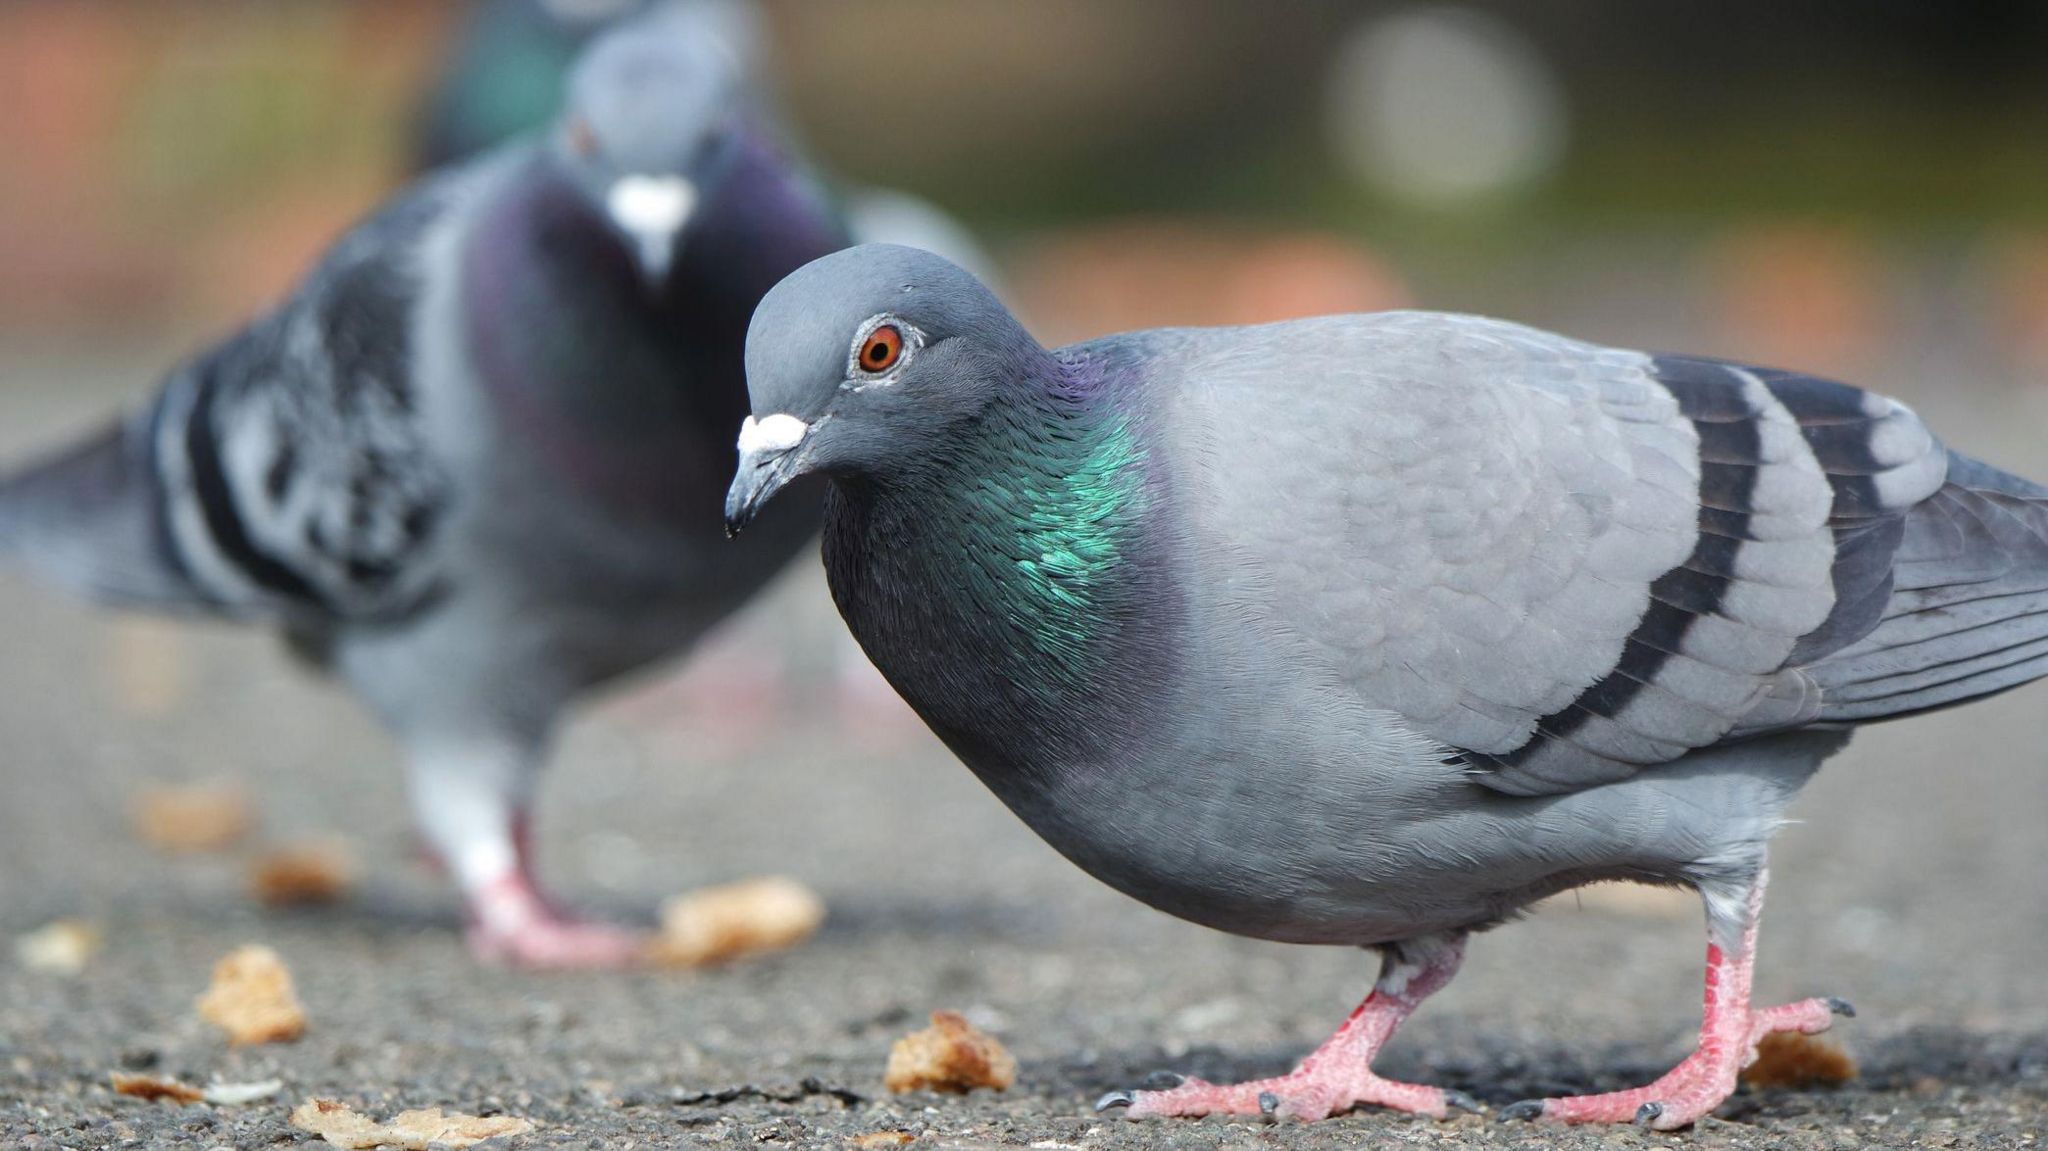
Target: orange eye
{"points": [[881, 350], [582, 138]]}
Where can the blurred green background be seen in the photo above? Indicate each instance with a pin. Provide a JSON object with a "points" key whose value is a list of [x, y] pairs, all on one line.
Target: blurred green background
{"points": [[1845, 188]]}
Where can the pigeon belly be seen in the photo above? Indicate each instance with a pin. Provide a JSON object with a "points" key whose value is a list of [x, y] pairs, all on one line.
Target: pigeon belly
{"points": [[1220, 768]]}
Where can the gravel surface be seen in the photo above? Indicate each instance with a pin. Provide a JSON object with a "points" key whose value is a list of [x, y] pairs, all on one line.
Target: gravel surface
{"points": [[1912, 886]]}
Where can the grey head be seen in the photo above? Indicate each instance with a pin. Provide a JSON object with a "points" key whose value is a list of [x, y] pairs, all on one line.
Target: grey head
{"points": [[653, 121], [869, 363]]}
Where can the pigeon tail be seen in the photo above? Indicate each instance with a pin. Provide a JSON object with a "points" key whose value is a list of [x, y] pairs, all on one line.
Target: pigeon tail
{"points": [[1968, 611], [88, 518]]}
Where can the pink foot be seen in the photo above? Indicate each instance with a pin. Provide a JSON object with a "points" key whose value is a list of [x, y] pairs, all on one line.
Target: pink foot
{"points": [[558, 944], [1729, 1032], [514, 926], [1696, 1086], [1338, 1075], [1305, 1094]]}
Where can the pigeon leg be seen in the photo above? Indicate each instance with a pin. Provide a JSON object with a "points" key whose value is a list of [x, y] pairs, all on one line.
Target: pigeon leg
{"points": [[1729, 1032], [471, 799], [1338, 1075]]}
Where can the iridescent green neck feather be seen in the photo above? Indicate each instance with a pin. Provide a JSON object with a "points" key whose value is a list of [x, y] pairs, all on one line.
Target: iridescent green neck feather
{"points": [[1003, 570], [1061, 516]]}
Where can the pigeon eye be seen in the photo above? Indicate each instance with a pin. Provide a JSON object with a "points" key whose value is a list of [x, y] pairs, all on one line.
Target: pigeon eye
{"points": [[882, 348], [582, 139]]}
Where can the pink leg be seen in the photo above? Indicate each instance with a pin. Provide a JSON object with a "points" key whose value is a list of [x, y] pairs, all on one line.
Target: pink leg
{"points": [[514, 923], [1729, 1032], [1338, 1075], [470, 799]]}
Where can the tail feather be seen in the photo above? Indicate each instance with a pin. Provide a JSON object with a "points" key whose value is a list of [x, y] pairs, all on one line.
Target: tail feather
{"points": [[1968, 614], [89, 518]]}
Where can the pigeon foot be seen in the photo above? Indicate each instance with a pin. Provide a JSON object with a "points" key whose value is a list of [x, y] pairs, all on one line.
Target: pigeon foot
{"points": [[1337, 1076], [1693, 1088], [515, 926], [1730, 1029], [558, 945], [1306, 1094]]}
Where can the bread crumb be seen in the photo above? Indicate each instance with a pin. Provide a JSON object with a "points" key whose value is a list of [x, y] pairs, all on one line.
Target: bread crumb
{"points": [[152, 1088], [715, 924], [876, 1139], [252, 998], [194, 818], [949, 1056], [1790, 1059], [62, 947], [411, 1130], [318, 871]]}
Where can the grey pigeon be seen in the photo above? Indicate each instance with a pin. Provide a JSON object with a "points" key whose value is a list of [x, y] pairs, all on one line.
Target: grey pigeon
{"points": [[1375, 629], [474, 462]]}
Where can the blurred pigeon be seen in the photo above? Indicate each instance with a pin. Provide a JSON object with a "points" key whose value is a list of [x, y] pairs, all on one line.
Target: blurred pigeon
{"points": [[474, 462], [1375, 629], [505, 72]]}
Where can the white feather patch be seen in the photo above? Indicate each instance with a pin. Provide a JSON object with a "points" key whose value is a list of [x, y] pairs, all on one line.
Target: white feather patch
{"points": [[651, 205], [777, 433]]}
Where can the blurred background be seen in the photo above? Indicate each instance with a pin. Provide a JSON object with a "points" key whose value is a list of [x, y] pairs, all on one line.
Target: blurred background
{"points": [[1857, 192], [1767, 180]]}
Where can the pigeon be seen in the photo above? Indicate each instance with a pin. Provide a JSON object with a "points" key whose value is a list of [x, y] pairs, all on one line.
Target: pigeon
{"points": [[1375, 629], [474, 462]]}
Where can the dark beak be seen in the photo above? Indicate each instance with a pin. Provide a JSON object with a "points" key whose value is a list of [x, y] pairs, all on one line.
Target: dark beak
{"points": [[767, 461], [761, 475]]}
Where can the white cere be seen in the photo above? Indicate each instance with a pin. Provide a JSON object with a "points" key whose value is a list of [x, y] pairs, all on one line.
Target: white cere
{"points": [[651, 205], [777, 433]]}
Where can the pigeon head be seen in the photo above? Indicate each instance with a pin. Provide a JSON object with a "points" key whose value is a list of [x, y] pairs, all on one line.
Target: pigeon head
{"points": [[870, 362], [653, 120]]}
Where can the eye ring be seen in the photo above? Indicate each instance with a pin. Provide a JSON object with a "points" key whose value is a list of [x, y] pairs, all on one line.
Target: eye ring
{"points": [[882, 345], [881, 349]]}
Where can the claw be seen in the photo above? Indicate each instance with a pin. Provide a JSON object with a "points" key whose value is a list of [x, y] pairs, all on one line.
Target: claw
{"points": [[1649, 1113], [1115, 1099], [1269, 1104], [1164, 1080], [1459, 1101], [1528, 1109], [1841, 1007]]}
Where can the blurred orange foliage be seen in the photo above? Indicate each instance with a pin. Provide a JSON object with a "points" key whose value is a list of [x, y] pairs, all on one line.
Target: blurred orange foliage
{"points": [[183, 161]]}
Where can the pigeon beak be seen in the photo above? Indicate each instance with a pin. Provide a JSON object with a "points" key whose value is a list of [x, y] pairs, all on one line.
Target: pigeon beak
{"points": [[651, 212], [765, 451]]}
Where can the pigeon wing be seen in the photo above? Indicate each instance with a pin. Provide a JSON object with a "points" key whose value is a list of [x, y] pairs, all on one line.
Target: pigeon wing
{"points": [[1563, 562], [284, 471]]}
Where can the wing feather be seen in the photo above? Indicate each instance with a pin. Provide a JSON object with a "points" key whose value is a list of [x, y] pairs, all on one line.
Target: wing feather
{"points": [[1569, 563]]}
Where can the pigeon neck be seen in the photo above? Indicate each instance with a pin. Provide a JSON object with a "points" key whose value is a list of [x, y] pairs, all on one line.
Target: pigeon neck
{"points": [[629, 394], [1002, 591], [1067, 496]]}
